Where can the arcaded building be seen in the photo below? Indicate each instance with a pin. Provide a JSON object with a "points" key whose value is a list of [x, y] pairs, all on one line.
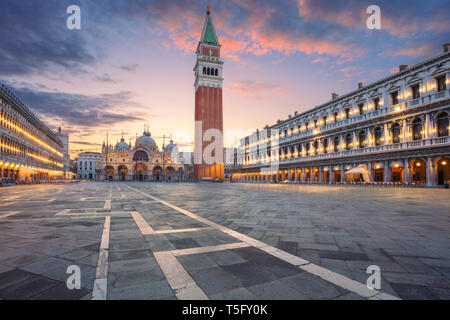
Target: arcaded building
{"points": [[392, 131], [143, 162], [29, 150]]}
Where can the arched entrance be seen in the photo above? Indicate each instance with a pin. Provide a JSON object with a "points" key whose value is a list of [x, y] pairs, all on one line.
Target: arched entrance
{"points": [[378, 173], [397, 173], [141, 172], [157, 173], [419, 172], [170, 173], [109, 173], [443, 171], [442, 124], [123, 170]]}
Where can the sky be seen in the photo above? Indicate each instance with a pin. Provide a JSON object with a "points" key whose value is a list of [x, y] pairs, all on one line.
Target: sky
{"points": [[131, 62]]}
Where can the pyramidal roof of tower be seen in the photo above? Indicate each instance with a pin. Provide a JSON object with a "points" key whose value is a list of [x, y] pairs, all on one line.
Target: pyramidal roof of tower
{"points": [[209, 33]]}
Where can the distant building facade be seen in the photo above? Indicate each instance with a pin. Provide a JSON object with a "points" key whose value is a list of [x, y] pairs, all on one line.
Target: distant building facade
{"points": [[86, 163], [29, 150], [143, 162], [395, 130]]}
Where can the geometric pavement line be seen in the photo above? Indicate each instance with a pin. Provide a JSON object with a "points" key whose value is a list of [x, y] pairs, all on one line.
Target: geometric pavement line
{"points": [[326, 274]]}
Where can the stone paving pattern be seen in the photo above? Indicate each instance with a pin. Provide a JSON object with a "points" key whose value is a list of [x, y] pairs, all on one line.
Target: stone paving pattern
{"points": [[404, 231]]}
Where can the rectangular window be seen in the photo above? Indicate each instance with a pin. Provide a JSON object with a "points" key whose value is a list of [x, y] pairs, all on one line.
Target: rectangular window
{"points": [[441, 86], [394, 98], [361, 108], [315, 123], [347, 113], [376, 103], [415, 91], [335, 115], [324, 120]]}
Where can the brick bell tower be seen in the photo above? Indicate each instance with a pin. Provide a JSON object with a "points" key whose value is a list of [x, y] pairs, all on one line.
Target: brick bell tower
{"points": [[208, 98]]}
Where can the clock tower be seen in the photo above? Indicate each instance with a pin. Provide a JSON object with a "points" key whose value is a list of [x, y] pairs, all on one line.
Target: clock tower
{"points": [[208, 101]]}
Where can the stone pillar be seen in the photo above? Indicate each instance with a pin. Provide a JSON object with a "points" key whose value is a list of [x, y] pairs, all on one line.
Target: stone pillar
{"points": [[296, 175], [355, 141], [431, 173], [387, 171], [406, 172], [427, 126], [341, 167], [405, 131], [289, 175], [370, 169], [386, 134], [303, 174], [332, 179]]}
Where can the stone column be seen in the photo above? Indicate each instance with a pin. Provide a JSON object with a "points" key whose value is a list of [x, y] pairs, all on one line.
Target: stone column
{"points": [[404, 131], [296, 175], [355, 141], [341, 167], [303, 174], [289, 175], [332, 179], [386, 134], [370, 169], [320, 174], [431, 173], [406, 172], [387, 171], [427, 126]]}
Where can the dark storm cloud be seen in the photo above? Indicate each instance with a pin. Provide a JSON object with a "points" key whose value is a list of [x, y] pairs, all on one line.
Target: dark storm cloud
{"points": [[34, 38], [78, 109]]}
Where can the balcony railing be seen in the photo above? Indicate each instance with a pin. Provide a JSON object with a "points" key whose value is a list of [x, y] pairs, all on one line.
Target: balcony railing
{"points": [[369, 115], [367, 150]]}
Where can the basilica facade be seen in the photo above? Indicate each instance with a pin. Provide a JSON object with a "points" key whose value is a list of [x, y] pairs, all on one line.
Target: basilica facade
{"points": [[142, 162]]}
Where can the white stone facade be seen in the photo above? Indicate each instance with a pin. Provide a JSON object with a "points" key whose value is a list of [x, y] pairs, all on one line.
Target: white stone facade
{"points": [[395, 130]]}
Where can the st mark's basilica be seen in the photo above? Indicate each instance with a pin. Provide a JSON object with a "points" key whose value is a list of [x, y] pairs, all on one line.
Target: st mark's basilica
{"points": [[143, 162]]}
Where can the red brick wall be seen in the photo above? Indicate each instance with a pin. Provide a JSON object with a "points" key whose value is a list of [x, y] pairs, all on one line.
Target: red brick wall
{"points": [[210, 100]]}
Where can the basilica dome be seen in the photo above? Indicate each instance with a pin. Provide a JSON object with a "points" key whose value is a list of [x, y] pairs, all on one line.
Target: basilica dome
{"points": [[146, 141], [122, 146], [171, 147]]}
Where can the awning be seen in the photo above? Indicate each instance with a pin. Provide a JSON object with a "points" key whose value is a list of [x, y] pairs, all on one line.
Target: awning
{"points": [[360, 170]]}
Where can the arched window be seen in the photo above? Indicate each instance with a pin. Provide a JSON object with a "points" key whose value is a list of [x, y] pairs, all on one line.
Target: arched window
{"points": [[325, 145], [378, 133], [336, 144], [348, 141], [216, 72], [396, 133], [140, 156], [204, 70], [362, 139], [417, 129], [316, 146], [208, 72], [442, 124]]}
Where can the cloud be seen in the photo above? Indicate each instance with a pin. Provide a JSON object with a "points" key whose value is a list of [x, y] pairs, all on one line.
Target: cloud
{"points": [[78, 110], [105, 78], [130, 68], [34, 38], [256, 90]]}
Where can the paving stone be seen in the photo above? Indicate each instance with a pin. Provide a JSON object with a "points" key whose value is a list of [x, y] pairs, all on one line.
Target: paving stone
{"points": [[196, 262], [226, 257], [312, 286], [130, 255], [27, 288], [132, 264], [131, 278], [276, 290], [146, 291], [234, 294], [61, 292], [413, 292], [215, 280]]}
